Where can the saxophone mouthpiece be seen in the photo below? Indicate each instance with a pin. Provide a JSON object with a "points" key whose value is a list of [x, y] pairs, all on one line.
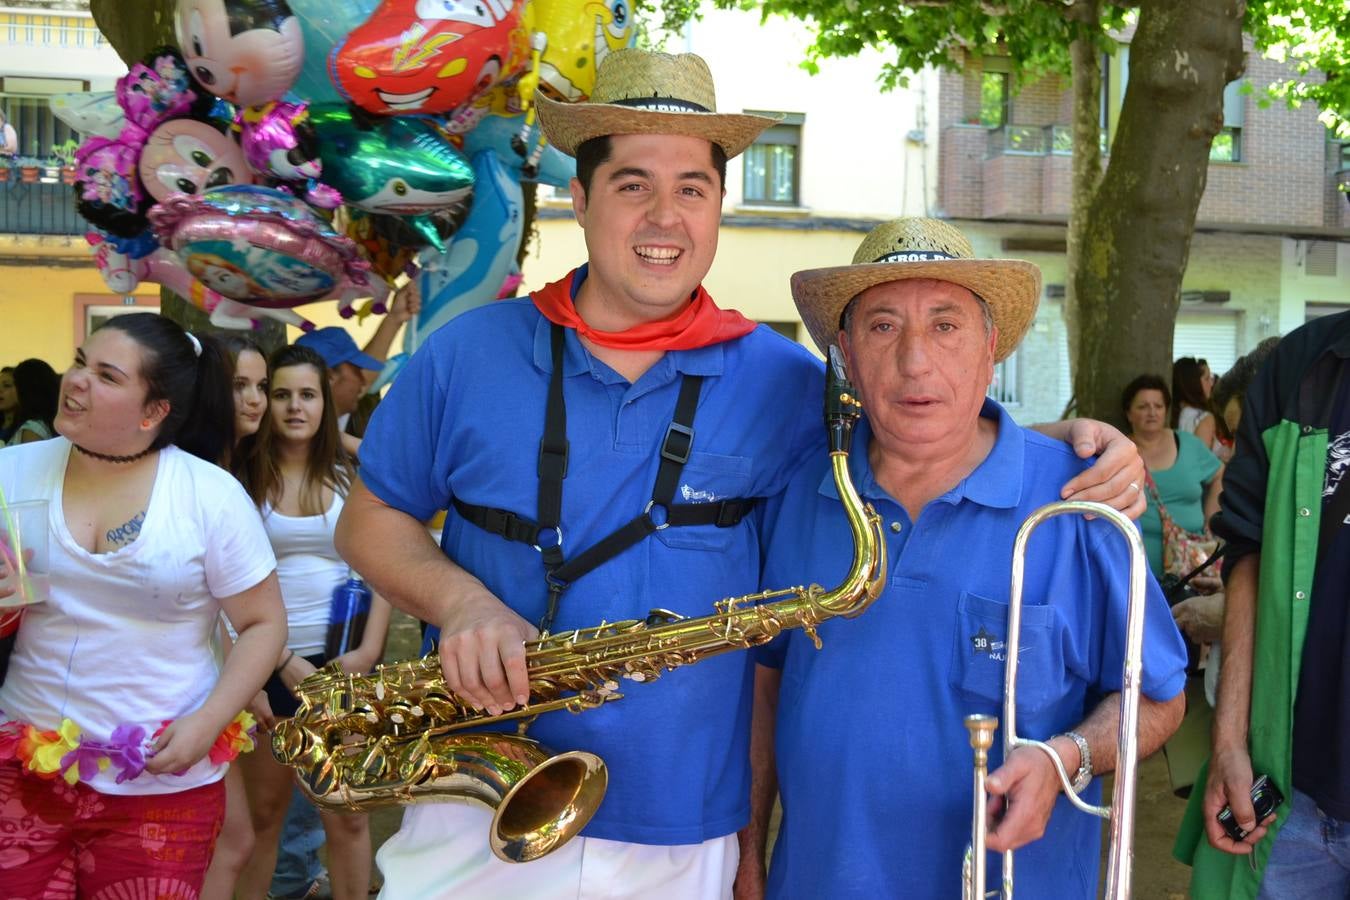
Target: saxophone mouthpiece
{"points": [[842, 408]]}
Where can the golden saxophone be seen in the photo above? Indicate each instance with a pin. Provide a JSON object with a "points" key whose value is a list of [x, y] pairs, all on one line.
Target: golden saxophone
{"points": [[397, 736]]}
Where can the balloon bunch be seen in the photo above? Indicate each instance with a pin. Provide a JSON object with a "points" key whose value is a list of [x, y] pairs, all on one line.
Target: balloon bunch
{"points": [[295, 151]]}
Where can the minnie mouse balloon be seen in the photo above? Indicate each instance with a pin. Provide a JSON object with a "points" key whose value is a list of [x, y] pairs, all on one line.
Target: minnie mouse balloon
{"points": [[245, 51], [257, 245], [188, 156]]}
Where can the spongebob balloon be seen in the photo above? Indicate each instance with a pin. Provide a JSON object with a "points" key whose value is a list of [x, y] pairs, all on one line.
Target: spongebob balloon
{"points": [[569, 39], [577, 38]]}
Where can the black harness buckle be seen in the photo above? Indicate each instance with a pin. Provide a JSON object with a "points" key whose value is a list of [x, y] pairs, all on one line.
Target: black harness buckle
{"points": [[560, 453], [679, 441]]}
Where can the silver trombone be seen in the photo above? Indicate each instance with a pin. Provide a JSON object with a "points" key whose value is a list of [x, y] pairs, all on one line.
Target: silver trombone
{"points": [[981, 728]]}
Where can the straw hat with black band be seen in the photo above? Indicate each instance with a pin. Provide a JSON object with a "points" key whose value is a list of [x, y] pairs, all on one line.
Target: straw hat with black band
{"points": [[906, 249], [644, 92]]}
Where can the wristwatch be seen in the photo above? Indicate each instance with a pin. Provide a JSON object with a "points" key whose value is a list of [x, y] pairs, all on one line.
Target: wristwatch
{"points": [[1083, 776]]}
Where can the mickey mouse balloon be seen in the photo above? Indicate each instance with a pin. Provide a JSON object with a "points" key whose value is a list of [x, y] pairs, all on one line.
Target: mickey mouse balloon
{"points": [[248, 52]]}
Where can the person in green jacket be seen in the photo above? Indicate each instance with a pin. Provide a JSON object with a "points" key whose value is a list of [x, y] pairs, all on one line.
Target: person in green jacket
{"points": [[1284, 691]]}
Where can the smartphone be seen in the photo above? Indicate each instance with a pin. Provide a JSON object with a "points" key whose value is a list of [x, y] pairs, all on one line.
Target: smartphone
{"points": [[1266, 798]]}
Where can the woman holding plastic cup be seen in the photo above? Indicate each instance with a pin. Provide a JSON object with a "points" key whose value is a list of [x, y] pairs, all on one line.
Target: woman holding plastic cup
{"points": [[116, 721]]}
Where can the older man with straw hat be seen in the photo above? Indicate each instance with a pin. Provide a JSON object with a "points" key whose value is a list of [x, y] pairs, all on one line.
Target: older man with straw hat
{"points": [[601, 447], [872, 759]]}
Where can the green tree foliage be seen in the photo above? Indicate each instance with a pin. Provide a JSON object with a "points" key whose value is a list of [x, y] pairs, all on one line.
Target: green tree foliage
{"points": [[1313, 37], [1034, 34]]}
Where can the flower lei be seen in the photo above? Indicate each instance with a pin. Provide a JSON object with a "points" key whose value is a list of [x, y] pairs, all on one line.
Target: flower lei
{"points": [[76, 757]]}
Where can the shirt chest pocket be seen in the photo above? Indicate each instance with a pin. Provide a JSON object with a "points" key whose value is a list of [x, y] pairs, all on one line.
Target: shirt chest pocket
{"points": [[980, 653], [708, 478]]}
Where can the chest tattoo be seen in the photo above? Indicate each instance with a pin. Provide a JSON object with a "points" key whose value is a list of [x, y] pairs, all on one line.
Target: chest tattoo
{"points": [[126, 532]]}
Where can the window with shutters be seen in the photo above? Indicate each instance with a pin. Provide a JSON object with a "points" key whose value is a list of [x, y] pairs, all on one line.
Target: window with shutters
{"points": [[1227, 145], [772, 164], [1318, 310], [1211, 336], [1320, 259]]}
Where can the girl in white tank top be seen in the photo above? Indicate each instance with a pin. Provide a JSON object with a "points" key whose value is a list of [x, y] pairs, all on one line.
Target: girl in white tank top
{"points": [[297, 472]]}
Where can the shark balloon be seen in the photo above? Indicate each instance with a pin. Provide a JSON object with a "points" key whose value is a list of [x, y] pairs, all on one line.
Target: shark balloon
{"points": [[397, 166]]}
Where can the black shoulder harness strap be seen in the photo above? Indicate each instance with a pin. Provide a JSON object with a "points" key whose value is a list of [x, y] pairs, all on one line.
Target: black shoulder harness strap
{"points": [[546, 534]]}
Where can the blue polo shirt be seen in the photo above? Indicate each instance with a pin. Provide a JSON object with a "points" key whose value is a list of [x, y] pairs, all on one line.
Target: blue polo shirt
{"points": [[874, 762], [464, 420]]}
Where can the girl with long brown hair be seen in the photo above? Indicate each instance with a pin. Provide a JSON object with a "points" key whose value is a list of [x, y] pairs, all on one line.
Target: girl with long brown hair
{"points": [[298, 474], [248, 387]]}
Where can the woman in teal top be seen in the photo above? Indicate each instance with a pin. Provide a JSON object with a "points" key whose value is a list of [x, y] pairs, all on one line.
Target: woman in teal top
{"points": [[1187, 474]]}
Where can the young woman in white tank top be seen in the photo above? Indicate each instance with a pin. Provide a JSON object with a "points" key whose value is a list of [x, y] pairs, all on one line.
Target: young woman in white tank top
{"points": [[297, 472]]}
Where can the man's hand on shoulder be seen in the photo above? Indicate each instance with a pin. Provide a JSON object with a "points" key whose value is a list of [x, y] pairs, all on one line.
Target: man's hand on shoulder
{"points": [[482, 650], [1116, 478]]}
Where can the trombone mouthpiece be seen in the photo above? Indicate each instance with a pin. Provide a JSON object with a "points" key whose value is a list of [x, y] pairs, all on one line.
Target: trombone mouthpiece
{"points": [[981, 730]]}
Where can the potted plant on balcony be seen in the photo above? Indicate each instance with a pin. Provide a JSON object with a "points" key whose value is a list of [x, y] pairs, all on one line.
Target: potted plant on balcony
{"points": [[4, 169], [66, 154], [30, 167]]}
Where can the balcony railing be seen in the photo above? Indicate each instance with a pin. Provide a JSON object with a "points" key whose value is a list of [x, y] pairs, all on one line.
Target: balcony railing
{"points": [[45, 206], [1034, 140]]}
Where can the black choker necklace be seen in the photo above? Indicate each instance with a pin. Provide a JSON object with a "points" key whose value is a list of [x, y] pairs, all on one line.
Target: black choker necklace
{"points": [[108, 457]]}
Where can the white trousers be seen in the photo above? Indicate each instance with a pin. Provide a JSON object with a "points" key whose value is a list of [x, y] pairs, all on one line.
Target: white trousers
{"points": [[441, 852]]}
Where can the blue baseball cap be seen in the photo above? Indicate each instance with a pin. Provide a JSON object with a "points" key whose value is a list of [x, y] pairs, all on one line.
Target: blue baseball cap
{"points": [[336, 347]]}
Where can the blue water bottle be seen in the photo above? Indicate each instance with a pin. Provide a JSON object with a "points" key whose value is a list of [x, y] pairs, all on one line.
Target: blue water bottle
{"points": [[347, 614]]}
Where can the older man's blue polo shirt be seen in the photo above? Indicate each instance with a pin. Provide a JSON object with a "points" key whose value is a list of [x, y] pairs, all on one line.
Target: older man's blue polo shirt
{"points": [[464, 421], [874, 763]]}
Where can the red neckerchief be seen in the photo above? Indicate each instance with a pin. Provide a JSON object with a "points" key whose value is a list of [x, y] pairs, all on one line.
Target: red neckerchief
{"points": [[699, 324]]}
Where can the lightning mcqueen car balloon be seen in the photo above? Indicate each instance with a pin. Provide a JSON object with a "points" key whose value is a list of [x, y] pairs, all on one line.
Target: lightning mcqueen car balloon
{"points": [[427, 57]]}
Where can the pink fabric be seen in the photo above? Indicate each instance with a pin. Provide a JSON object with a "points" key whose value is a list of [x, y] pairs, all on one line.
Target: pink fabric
{"points": [[59, 841]]}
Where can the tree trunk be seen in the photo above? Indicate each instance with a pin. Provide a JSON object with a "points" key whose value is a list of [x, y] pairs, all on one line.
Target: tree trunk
{"points": [[133, 30], [1139, 224], [1087, 150]]}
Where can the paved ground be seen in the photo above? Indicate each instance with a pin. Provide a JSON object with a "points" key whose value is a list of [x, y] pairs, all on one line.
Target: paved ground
{"points": [[1156, 875]]}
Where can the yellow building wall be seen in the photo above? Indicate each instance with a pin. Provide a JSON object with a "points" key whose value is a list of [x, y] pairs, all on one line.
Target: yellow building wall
{"points": [[40, 290], [38, 300]]}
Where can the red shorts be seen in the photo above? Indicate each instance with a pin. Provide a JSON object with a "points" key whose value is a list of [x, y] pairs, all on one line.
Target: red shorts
{"points": [[58, 840]]}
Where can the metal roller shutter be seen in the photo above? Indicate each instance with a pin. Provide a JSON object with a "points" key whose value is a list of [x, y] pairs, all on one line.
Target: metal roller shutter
{"points": [[1212, 337]]}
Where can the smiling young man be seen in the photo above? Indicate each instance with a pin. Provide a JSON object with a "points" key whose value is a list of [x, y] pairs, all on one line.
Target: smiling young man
{"points": [[636, 356], [601, 447]]}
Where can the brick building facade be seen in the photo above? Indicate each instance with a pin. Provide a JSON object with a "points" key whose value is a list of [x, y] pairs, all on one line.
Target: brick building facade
{"points": [[1272, 241]]}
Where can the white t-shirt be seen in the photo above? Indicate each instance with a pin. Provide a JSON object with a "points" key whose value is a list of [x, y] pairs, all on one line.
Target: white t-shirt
{"points": [[308, 568], [125, 637]]}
